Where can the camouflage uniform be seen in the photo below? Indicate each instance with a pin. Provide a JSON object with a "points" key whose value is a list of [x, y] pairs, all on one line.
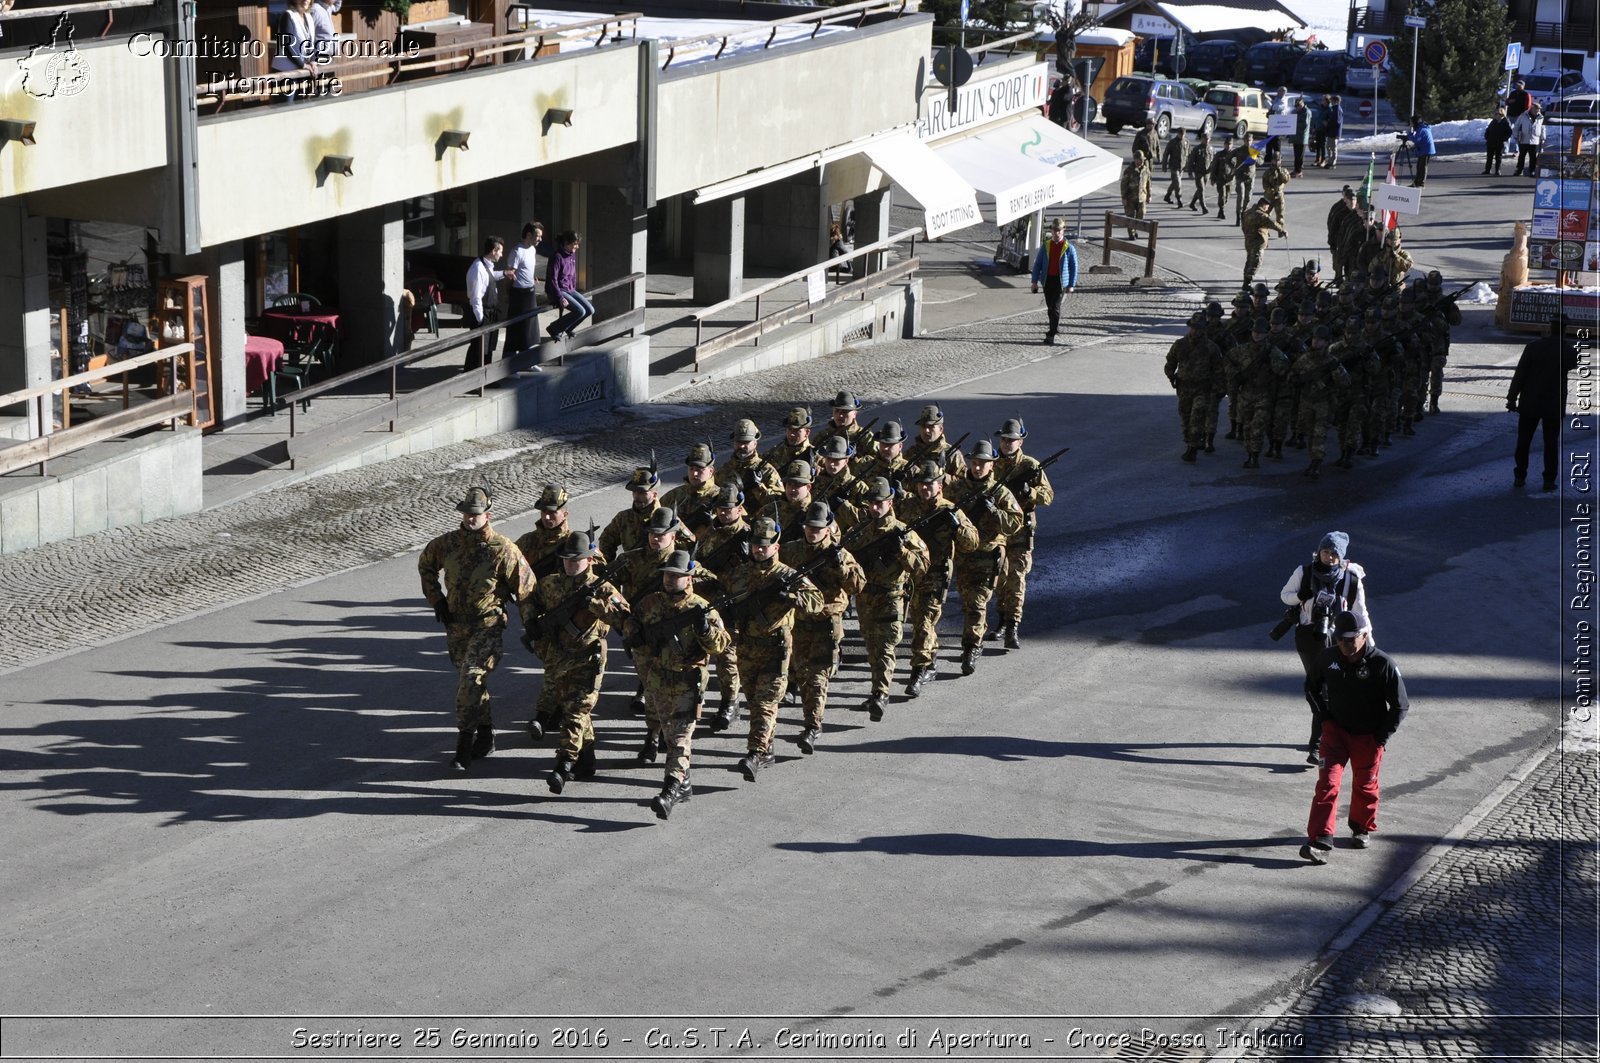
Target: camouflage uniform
{"points": [[1194, 365], [1220, 173], [1319, 376], [574, 655], [841, 492], [1146, 143], [1242, 172], [482, 570], [1256, 223], [1252, 368], [1030, 485], [1197, 167], [893, 469], [627, 530], [1173, 157], [857, 435], [539, 547], [939, 450], [1343, 209], [998, 518], [693, 503], [1450, 314], [675, 657], [1393, 260], [1274, 179], [722, 549], [814, 654], [1135, 188], [763, 632], [1281, 421], [750, 472], [888, 553], [784, 452], [945, 537]]}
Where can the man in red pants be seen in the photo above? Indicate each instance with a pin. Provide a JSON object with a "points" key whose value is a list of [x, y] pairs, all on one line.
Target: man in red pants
{"points": [[1363, 700]]}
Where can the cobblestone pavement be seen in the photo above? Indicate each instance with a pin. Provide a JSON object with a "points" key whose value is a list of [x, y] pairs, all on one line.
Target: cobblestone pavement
{"points": [[1490, 954], [70, 595]]}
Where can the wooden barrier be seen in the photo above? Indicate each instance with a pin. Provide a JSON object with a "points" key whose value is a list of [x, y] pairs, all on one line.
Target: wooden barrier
{"points": [[1146, 250]]}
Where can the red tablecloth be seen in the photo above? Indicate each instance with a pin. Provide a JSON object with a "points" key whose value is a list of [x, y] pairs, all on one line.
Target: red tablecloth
{"points": [[280, 322], [262, 355]]}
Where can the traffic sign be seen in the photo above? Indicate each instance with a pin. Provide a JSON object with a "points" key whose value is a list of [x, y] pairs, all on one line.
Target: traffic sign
{"points": [[1513, 55], [1377, 52], [952, 66], [964, 8], [1416, 22], [1364, 109]]}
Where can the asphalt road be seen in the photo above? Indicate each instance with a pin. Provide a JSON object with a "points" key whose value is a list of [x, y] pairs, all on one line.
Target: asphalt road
{"points": [[246, 813]]}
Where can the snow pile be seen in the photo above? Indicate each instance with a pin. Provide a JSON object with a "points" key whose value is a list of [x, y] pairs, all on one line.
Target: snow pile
{"points": [[1478, 293], [1467, 132]]}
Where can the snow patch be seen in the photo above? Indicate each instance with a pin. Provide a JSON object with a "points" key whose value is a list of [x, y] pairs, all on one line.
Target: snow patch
{"points": [[1368, 1004], [1478, 293]]}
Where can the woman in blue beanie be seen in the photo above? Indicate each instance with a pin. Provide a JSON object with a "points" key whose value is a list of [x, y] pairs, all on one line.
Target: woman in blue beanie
{"points": [[1328, 586]]}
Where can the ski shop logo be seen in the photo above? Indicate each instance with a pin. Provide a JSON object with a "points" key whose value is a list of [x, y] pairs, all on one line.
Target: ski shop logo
{"points": [[55, 69]]}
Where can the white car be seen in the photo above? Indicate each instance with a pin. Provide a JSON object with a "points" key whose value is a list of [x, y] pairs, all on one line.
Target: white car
{"points": [[1582, 109], [1549, 86]]}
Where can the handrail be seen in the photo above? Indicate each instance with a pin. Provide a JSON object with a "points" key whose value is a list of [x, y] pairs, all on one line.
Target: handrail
{"points": [[41, 449], [432, 58], [1012, 42], [93, 375], [843, 13], [74, 9], [753, 293]]}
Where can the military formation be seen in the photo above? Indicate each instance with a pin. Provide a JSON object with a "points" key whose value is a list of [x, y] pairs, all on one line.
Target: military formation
{"points": [[1359, 361], [747, 571]]}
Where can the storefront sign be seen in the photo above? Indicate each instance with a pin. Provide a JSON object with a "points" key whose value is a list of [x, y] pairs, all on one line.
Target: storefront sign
{"points": [[981, 102], [1152, 26], [1537, 306]]}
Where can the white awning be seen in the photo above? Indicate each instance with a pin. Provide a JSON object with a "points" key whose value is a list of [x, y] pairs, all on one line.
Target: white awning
{"points": [[1036, 163], [948, 203]]}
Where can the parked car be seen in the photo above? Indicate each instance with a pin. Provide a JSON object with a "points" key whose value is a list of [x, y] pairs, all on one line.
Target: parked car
{"points": [[1321, 70], [1240, 108], [1214, 60], [1165, 64], [1582, 109], [1361, 78], [1549, 85], [1173, 105], [1273, 62]]}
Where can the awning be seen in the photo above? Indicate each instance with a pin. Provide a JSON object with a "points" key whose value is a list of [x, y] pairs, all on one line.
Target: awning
{"points": [[948, 203], [1029, 164]]}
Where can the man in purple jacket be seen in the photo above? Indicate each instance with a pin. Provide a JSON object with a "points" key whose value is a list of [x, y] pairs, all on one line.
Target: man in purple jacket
{"points": [[561, 287]]}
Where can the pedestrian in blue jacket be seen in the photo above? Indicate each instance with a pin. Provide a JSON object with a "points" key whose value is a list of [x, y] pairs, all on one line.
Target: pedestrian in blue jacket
{"points": [[1422, 141], [1055, 265]]}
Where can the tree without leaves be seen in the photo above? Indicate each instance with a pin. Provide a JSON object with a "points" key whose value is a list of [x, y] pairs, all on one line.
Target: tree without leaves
{"points": [[1462, 47]]}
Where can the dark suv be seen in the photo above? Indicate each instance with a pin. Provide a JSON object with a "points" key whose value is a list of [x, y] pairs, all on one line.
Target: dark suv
{"points": [[1320, 71], [1173, 105], [1215, 60], [1273, 62]]}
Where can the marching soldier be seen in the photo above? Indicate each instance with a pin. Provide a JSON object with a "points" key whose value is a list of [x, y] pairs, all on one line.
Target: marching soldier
{"points": [[1242, 172], [1274, 179], [1256, 223], [846, 410], [945, 536], [1252, 367], [1173, 157], [796, 445], [1197, 167], [1135, 188], [695, 499], [758, 480], [889, 552], [675, 632], [1281, 406], [627, 530], [1194, 365], [1319, 376], [796, 499], [835, 483], [481, 571], [1145, 141], [726, 544], [539, 546], [995, 512], [763, 624], [575, 611], [1028, 483], [931, 444], [814, 656], [888, 460], [1221, 172], [634, 573]]}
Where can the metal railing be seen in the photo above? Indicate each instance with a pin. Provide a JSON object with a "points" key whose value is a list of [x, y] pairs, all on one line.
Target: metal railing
{"points": [[752, 331], [856, 13], [304, 443], [456, 55], [40, 400]]}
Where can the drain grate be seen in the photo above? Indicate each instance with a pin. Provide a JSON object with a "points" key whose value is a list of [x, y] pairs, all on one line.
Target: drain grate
{"points": [[578, 396], [857, 334]]}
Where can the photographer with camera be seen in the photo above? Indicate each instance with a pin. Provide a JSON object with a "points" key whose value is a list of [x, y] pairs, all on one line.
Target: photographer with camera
{"points": [[1315, 594], [1421, 137]]}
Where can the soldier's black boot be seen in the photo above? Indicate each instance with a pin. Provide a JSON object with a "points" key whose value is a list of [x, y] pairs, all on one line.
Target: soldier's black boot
{"points": [[918, 680], [808, 739], [561, 774], [874, 706], [752, 764], [584, 768], [1233, 430], [1314, 470], [1346, 458], [463, 758], [1191, 454], [637, 705], [1211, 443], [1275, 449], [725, 715], [536, 728], [1253, 460], [483, 741], [1012, 642], [651, 747], [1298, 442], [969, 660], [1433, 407], [1406, 429], [673, 793]]}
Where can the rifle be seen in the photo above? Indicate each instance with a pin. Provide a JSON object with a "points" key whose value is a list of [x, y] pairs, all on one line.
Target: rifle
{"points": [[558, 617], [881, 546], [913, 462], [722, 554], [1018, 480]]}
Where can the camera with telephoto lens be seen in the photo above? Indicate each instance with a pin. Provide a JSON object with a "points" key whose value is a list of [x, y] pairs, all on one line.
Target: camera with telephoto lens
{"points": [[1291, 617]]}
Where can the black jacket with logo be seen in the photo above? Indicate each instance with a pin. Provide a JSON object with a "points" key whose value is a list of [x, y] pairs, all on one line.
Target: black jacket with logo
{"points": [[1366, 696]]}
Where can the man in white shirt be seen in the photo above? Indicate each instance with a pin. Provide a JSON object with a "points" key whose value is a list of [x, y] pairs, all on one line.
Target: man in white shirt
{"points": [[483, 299], [524, 295]]}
